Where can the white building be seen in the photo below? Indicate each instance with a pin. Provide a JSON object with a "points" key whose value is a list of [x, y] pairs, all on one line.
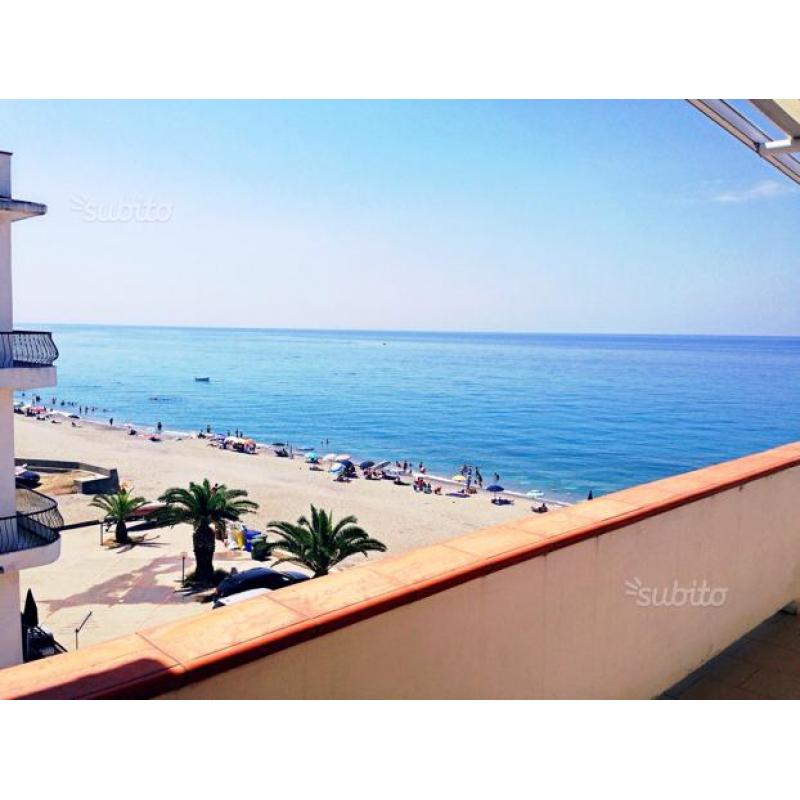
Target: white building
{"points": [[29, 521]]}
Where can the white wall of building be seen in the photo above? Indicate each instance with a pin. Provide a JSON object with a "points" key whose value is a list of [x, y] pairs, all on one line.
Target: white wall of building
{"points": [[7, 504], [11, 379], [7, 501], [10, 630]]}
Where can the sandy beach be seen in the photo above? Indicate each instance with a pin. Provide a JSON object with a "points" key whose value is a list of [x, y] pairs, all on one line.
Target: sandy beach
{"points": [[132, 588]]}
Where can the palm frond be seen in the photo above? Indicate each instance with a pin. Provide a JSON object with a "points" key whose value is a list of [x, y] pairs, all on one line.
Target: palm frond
{"points": [[118, 506], [317, 543]]}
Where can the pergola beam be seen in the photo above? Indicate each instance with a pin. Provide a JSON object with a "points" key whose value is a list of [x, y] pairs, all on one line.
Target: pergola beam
{"points": [[783, 113]]}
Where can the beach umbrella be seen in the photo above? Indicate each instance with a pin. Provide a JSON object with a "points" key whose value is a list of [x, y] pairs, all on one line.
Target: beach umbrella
{"points": [[338, 467], [277, 444], [312, 457], [366, 464], [495, 487], [343, 457], [382, 464], [329, 457]]}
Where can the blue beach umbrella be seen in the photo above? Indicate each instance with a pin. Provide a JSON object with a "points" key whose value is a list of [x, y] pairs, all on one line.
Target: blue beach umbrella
{"points": [[495, 487], [312, 457], [336, 468]]}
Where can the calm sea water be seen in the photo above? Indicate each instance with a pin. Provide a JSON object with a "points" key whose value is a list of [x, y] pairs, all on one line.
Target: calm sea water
{"points": [[559, 413]]}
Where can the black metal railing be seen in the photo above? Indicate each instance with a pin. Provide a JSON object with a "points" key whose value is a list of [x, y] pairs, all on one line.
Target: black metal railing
{"points": [[27, 349], [36, 523]]}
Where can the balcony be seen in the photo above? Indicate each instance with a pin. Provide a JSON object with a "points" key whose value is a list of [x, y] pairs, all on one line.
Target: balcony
{"points": [[26, 359], [27, 538], [27, 349], [14, 210]]}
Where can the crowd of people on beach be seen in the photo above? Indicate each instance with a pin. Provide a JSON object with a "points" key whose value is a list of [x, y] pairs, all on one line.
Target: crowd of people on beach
{"points": [[421, 485], [83, 410], [468, 481], [46, 409], [37, 408], [469, 476]]}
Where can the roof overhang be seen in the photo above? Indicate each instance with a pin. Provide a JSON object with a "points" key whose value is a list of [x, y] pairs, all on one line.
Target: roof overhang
{"points": [[784, 114], [13, 210]]}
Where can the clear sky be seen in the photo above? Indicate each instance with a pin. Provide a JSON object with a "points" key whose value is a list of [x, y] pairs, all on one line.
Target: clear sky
{"points": [[517, 216]]}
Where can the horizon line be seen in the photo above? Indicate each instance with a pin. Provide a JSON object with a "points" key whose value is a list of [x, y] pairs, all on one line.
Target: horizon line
{"points": [[441, 331]]}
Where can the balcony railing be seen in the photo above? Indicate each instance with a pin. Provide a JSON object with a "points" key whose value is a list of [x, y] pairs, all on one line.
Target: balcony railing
{"points": [[27, 349], [36, 523]]}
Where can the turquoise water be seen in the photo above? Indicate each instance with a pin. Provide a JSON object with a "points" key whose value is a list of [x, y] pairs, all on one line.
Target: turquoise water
{"points": [[559, 413]]}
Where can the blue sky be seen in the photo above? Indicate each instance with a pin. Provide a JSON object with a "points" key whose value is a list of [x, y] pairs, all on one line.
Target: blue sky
{"points": [[519, 216]]}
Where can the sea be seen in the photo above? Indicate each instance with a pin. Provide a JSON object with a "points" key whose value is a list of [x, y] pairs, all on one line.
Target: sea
{"points": [[560, 415]]}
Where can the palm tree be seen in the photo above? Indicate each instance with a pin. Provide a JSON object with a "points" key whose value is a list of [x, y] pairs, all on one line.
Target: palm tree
{"points": [[118, 508], [317, 543], [205, 508]]}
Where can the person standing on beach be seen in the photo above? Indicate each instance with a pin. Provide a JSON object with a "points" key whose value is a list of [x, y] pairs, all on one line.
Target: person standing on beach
{"points": [[158, 427], [496, 478], [111, 422], [478, 478]]}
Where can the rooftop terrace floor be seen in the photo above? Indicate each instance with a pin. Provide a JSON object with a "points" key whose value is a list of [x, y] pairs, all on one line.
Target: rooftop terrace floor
{"points": [[763, 665]]}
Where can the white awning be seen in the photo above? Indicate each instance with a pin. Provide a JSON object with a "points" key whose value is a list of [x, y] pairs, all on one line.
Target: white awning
{"points": [[784, 114]]}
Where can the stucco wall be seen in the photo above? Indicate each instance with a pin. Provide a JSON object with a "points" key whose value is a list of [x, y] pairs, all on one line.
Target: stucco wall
{"points": [[564, 624]]}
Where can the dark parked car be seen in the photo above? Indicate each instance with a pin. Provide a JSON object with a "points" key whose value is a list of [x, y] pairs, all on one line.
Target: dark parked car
{"points": [[258, 578]]}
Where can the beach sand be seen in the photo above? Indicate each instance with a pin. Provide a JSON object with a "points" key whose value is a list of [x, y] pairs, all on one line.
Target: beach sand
{"points": [[132, 588]]}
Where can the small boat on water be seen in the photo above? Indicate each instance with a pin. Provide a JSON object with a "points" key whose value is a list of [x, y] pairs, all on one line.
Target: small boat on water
{"points": [[203, 380]]}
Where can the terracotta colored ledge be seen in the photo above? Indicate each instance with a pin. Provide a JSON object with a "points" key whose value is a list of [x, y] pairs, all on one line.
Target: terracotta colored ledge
{"points": [[157, 660]]}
